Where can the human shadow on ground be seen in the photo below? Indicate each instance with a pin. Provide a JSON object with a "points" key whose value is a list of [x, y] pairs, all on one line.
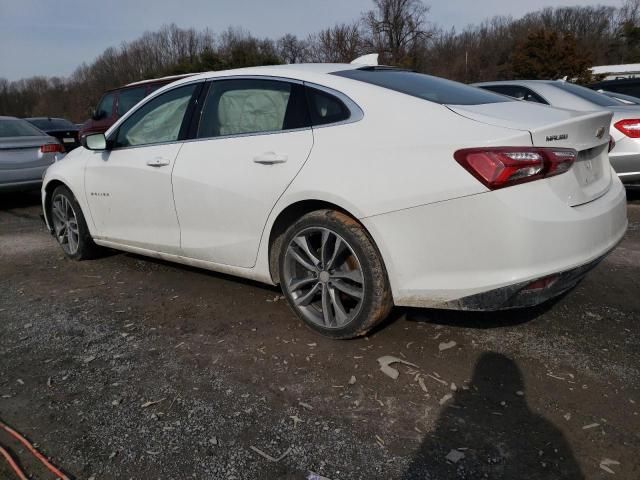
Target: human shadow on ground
{"points": [[490, 427]]}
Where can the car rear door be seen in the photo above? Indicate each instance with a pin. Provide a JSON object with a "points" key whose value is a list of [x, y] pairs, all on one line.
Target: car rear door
{"points": [[252, 139], [128, 187]]}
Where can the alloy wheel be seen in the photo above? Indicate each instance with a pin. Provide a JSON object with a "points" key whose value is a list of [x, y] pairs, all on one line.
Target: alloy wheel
{"points": [[323, 276], [65, 224]]}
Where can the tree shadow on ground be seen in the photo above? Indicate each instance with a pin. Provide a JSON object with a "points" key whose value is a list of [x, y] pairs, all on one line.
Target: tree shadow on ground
{"points": [[492, 428]]}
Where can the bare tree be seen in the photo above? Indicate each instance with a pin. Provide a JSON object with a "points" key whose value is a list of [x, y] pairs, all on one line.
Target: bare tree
{"points": [[397, 29], [292, 50], [338, 44]]}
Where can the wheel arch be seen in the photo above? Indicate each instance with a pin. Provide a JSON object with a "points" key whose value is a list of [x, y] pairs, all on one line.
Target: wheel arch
{"points": [[287, 216], [48, 190]]}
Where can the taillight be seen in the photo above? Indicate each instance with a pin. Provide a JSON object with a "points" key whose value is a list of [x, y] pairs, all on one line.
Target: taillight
{"points": [[630, 127], [501, 167], [52, 148]]}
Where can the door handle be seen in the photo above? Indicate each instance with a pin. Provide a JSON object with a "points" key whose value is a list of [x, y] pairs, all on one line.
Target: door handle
{"points": [[158, 162], [270, 158]]}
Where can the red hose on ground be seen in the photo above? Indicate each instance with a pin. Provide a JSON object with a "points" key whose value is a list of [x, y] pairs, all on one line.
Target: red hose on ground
{"points": [[13, 464], [35, 452]]}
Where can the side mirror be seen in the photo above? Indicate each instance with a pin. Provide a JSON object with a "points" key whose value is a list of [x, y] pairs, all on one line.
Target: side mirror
{"points": [[94, 141]]}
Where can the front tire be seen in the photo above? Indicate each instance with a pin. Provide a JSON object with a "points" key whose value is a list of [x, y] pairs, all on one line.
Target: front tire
{"points": [[333, 276], [69, 226]]}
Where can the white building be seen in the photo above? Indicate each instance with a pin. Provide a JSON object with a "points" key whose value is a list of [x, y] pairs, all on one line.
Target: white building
{"points": [[612, 72]]}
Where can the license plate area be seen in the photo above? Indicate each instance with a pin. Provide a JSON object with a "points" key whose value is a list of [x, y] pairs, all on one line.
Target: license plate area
{"points": [[589, 165]]}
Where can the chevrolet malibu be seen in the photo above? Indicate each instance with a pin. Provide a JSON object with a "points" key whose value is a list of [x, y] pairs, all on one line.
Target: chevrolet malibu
{"points": [[352, 187]]}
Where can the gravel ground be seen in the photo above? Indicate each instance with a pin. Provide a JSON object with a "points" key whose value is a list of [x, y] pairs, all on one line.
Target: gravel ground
{"points": [[126, 367]]}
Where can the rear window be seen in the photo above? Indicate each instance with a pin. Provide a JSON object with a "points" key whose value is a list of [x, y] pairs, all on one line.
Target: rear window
{"points": [[14, 127], [587, 94], [628, 87], [52, 123], [434, 89]]}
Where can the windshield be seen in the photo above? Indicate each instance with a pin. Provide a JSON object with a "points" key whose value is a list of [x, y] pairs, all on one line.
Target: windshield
{"points": [[587, 94], [14, 127], [434, 89], [51, 123]]}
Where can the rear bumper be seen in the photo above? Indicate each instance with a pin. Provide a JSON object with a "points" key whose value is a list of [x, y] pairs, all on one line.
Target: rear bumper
{"points": [[526, 294], [449, 254]]}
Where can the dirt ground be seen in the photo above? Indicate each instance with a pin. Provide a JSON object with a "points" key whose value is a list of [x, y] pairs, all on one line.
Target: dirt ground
{"points": [[126, 367]]}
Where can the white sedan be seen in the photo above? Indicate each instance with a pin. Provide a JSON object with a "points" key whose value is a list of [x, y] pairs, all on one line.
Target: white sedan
{"points": [[354, 188]]}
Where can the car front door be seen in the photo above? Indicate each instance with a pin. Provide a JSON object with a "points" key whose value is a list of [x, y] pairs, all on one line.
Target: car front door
{"points": [[252, 139], [128, 186]]}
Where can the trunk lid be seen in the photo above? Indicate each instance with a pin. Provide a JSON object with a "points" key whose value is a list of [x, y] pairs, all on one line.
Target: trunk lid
{"points": [[586, 132], [24, 152]]}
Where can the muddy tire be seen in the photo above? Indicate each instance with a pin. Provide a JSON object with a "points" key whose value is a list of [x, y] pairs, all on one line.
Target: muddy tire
{"points": [[333, 276], [70, 227]]}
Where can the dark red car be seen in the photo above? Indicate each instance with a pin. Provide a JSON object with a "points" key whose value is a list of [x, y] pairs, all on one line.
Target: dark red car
{"points": [[115, 103]]}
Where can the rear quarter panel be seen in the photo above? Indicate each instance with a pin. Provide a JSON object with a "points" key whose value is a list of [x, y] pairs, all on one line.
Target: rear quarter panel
{"points": [[398, 156]]}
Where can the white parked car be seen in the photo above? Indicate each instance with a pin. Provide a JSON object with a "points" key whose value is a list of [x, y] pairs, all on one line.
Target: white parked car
{"points": [[354, 188]]}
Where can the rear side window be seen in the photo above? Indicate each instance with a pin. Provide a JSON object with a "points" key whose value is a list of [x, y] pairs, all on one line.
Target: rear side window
{"points": [[129, 97], [516, 91], [13, 127], [434, 89], [249, 106], [325, 108]]}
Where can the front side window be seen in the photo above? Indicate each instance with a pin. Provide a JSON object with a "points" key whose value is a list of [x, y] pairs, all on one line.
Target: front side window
{"points": [[433, 89], [159, 120], [249, 106], [105, 107], [129, 97]]}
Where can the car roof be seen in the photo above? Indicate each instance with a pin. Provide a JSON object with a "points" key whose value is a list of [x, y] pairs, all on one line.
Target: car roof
{"points": [[288, 70], [169, 78]]}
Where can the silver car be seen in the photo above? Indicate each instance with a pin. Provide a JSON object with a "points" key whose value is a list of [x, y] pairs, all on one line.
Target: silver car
{"points": [[621, 97], [625, 126], [25, 154]]}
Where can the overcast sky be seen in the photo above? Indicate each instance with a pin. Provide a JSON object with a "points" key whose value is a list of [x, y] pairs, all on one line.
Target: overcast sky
{"points": [[52, 37]]}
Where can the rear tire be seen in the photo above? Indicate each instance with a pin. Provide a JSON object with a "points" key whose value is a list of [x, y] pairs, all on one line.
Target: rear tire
{"points": [[69, 226], [333, 276]]}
